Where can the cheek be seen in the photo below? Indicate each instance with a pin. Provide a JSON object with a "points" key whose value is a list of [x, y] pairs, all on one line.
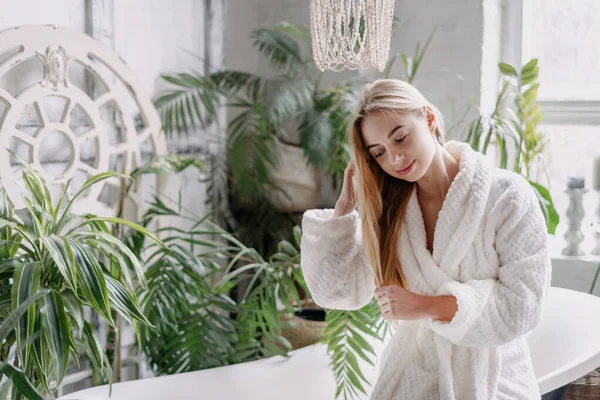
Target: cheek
{"points": [[385, 166], [424, 152]]}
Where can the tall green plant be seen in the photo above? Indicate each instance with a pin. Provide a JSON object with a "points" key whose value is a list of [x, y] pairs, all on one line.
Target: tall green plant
{"points": [[197, 324], [264, 109], [513, 127], [159, 165], [45, 247]]}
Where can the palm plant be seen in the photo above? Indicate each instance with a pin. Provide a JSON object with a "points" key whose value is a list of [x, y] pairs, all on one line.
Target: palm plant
{"points": [[512, 128], [196, 324], [46, 248], [289, 101]]}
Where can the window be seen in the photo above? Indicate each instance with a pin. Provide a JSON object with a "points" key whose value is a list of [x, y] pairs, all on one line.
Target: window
{"points": [[565, 37]]}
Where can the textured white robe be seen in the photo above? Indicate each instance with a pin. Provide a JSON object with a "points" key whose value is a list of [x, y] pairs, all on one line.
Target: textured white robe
{"points": [[489, 250]]}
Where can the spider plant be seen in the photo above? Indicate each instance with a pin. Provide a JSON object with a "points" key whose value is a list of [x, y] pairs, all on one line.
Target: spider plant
{"points": [[513, 129], [46, 248]]}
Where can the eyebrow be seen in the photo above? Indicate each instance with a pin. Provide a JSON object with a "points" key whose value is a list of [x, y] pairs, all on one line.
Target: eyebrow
{"points": [[389, 135]]}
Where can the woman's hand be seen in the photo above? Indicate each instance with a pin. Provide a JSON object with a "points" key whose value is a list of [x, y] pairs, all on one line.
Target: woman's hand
{"points": [[347, 200], [398, 303]]}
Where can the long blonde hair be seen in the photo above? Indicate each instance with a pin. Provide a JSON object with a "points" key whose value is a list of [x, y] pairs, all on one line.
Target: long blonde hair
{"points": [[383, 199]]}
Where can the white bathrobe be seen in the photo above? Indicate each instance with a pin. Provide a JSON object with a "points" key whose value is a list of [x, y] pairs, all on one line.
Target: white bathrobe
{"points": [[489, 251]]}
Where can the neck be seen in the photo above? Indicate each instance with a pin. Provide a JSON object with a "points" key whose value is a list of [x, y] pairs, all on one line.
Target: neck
{"points": [[437, 180]]}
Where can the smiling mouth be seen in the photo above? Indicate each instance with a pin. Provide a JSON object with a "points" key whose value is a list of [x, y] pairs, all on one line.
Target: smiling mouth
{"points": [[406, 169]]}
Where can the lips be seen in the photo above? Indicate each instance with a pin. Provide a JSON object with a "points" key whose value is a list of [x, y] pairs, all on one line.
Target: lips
{"points": [[407, 169]]}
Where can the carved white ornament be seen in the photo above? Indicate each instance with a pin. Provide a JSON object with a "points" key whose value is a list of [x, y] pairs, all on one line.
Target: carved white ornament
{"points": [[58, 48]]}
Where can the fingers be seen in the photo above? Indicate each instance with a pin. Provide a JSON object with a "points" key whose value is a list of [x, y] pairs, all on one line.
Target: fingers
{"points": [[349, 173], [348, 185], [350, 166], [382, 301], [387, 311], [381, 290]]}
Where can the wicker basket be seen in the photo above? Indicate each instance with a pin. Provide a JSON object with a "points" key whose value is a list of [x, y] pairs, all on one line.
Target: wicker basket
{"points": [[305, 333], [587, 387]]}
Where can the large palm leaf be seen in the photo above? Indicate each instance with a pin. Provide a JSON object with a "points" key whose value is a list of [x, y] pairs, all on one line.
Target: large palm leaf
{"points": [[345, 338], [281, 50]]}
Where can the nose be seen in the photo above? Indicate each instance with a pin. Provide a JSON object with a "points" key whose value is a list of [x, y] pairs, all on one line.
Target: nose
{"points": [[396, 158]]}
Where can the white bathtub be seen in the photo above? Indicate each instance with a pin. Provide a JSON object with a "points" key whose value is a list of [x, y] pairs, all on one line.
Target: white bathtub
{"points": [[564, 347]]}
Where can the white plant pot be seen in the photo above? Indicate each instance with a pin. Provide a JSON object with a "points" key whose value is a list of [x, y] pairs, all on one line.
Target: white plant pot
{"points": [[300, 183]]}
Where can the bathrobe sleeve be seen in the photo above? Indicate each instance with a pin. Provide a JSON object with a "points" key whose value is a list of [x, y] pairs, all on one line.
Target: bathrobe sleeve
{"points": [[333, 262], [493, 312]]}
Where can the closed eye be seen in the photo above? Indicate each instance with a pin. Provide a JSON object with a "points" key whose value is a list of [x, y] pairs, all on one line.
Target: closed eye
{"points": [[400, 140]]}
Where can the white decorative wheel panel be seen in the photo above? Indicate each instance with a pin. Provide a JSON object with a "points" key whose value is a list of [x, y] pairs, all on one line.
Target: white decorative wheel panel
{"points": [[82, 113]]}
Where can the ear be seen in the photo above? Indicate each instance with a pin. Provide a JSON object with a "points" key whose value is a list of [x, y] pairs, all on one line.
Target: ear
{"points": [[431, 119]]}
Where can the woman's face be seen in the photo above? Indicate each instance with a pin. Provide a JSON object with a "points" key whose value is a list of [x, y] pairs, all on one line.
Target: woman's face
{"points": [[402, 144]]}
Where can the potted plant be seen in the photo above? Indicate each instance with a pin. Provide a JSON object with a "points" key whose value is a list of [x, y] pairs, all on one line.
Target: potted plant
{"points": [[513, 129], [203, 327], [286, 131], [74, 261]]}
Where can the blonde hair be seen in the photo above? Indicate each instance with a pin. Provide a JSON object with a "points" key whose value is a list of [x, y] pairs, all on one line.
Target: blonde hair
{"points": [[383, 199]]}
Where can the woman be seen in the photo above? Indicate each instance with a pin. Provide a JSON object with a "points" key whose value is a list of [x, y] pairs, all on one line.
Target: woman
{"points": [[454, 251]]}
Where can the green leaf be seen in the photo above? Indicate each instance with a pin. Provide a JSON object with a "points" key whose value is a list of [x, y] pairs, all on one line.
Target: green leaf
{"points": [[287, 247], [529, 77], [287, 98], [57, 331], [226, 287], [231, 82], [507, 69], [124, 301], [94, 350], [26, 283], [91, 280], [547, 206], [531, 94], [10, 322], [501, 142], [173, 163], [281, 50], [362, 342], [298, 31], [19, 379], [112, 240], [359, 351], [530, 66], [74, 308], [62, 255], [297, 235], [147, 232], [487, 139], [316, 137], [353, 362], [90, 182]]}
